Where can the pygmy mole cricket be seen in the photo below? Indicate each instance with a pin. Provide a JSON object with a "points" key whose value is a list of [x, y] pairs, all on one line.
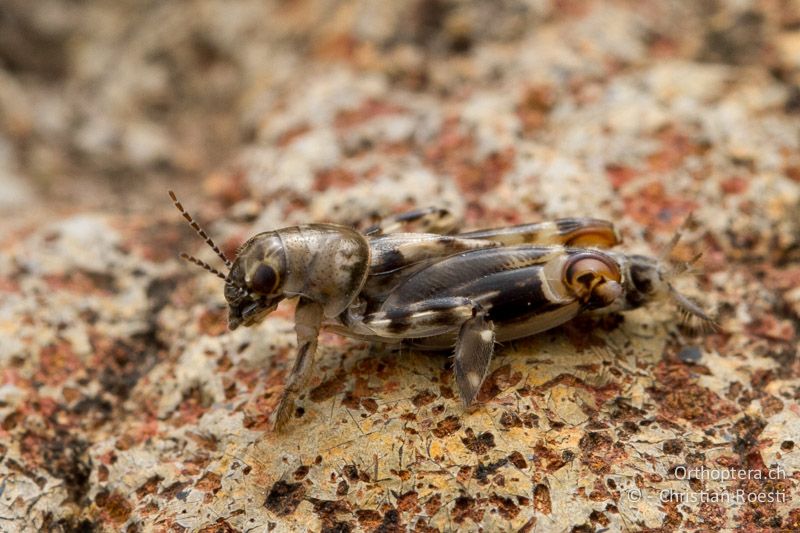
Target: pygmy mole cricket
{"points": [[436, 289]]}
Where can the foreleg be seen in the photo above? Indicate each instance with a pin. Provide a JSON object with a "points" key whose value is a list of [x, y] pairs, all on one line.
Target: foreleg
{"points": [[308, 319]]}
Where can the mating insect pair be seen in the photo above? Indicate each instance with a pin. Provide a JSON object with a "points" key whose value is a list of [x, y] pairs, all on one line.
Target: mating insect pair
{"points": [[435, 290]]}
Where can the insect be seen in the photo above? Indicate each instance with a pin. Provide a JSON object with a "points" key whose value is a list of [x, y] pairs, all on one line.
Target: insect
{"points": [[436, 290]]}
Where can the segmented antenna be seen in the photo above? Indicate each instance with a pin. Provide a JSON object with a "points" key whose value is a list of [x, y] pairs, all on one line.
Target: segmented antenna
{"points": [[203, 264], [200, 232]]}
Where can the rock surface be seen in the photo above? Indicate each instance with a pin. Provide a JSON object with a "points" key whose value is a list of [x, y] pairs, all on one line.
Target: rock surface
{"points": [[126, 405]]}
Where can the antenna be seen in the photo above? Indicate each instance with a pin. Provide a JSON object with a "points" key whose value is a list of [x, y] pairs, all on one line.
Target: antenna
{"points": [[204, 265], [202, 234]]}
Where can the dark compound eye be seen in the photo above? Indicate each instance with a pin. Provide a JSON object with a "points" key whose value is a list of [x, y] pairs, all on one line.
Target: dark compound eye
{"points": [[265, 280]]}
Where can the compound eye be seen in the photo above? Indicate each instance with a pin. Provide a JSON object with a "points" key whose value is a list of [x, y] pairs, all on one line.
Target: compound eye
{"points": [[265, 280]]}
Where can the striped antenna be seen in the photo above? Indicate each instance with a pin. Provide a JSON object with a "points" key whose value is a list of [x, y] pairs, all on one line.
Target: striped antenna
{"points": [[203, 264], [200, 232]]}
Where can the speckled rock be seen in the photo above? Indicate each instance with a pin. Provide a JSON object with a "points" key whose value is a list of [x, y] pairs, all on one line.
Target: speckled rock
{"points": [[126, 405]]}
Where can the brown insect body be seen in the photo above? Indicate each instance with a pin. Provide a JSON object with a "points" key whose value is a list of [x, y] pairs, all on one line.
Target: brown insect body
{"points": [[433, 290], [323, 263]]}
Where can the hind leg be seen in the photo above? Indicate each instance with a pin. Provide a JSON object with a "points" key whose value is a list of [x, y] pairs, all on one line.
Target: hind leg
{"points": [[474, 339], [428, 219], [578, 232]]}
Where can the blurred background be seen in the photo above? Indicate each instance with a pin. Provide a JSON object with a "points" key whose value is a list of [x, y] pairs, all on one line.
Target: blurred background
{"points": [[107, 103], [265, 114]]}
